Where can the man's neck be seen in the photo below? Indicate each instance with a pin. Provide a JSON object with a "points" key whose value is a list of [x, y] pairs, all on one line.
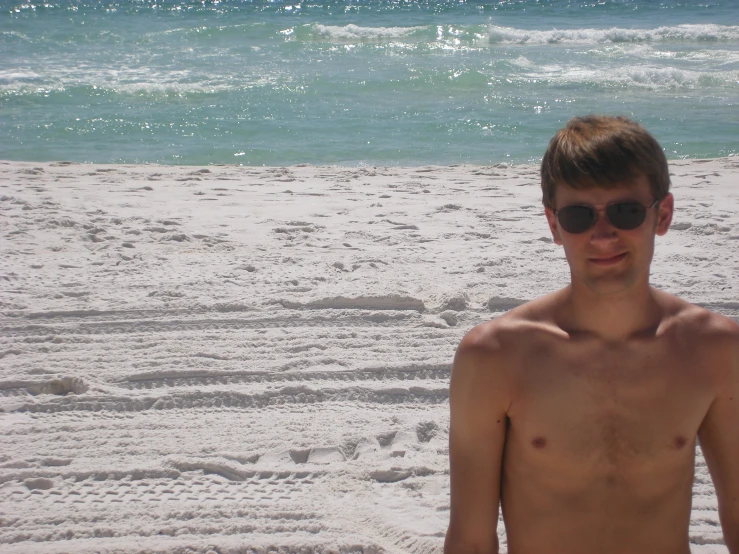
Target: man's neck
{"points": [[611, 317]]}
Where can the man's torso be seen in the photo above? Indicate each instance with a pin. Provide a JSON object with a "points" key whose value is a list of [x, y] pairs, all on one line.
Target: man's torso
{"points": [[601, 438]]}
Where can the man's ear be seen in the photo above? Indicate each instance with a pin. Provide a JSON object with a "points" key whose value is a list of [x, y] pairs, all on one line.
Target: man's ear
{"points": [[664, 214], [552, 221]]}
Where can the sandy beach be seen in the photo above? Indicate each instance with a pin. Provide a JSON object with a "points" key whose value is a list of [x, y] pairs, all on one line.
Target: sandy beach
{"points": [[230, 359]]}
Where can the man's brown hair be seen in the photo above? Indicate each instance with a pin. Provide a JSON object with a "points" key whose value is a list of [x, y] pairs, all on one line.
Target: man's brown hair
{"points": [[602, 151]]}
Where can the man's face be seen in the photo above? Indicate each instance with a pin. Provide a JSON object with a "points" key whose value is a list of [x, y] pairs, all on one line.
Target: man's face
{"points": [[604, 258]]}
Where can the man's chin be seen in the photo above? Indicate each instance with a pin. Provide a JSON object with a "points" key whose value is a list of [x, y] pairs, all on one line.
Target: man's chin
{"points": [[606, 285]]}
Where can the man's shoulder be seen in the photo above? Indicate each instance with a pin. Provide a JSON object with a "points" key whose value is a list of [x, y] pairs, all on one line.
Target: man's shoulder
{"points": [[690, 320], [517, 327], [709, 337]]}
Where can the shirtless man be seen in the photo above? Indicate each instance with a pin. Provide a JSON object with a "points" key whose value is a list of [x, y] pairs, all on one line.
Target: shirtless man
{"points": [[579, 411]]}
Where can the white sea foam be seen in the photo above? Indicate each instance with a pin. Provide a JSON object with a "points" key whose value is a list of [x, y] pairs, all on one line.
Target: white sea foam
{"points": [[355, 32], [58, 77], [14, 35], [14, 76], [646, 76], [703, 33], [497, 34], [523, 62], [715, 58]]}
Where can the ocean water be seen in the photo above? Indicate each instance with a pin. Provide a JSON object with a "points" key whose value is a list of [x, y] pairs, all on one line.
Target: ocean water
{"points": [[352, 82]]}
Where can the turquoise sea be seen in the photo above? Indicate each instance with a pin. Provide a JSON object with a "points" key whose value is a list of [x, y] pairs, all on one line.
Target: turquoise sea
{"points": [[389, 82]]}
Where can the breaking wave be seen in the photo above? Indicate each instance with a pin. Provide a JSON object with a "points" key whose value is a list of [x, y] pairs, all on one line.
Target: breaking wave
{"points": [[679, 33], [494, 34]]}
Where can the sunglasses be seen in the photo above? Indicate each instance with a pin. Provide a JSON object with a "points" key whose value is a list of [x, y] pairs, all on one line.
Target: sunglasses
{"points": [[626, 216]]}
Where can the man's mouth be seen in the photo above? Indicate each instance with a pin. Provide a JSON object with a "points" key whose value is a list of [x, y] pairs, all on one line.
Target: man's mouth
{"points": [[608, 260]]}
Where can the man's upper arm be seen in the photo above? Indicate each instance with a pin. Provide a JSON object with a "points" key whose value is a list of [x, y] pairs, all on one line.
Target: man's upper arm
{"points": [[479, 396], [719, 436]]}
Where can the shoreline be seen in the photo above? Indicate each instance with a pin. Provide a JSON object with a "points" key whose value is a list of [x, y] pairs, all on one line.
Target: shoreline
{"points": [[357, 165]]}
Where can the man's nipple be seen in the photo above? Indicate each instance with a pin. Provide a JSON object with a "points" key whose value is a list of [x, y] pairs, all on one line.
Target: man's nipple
{"points": [[539, 442], [680, 442]]}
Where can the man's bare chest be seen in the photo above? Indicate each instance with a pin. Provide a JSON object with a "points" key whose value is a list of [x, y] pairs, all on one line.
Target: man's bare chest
{"points": [[609, 410]]}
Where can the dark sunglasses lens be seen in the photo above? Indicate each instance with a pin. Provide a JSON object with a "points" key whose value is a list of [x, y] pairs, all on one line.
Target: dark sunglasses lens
{"points": [[626, 215], [576, 219]]}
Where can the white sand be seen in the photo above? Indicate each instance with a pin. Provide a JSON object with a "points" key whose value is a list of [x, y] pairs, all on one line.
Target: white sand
{"points": [[257, 359]]}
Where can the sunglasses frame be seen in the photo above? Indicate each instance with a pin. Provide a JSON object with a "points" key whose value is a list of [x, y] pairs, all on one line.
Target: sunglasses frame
{"points": [[596, 214]]}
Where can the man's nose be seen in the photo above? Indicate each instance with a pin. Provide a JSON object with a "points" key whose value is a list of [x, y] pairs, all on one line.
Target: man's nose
{"points": [[602, 229]]}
